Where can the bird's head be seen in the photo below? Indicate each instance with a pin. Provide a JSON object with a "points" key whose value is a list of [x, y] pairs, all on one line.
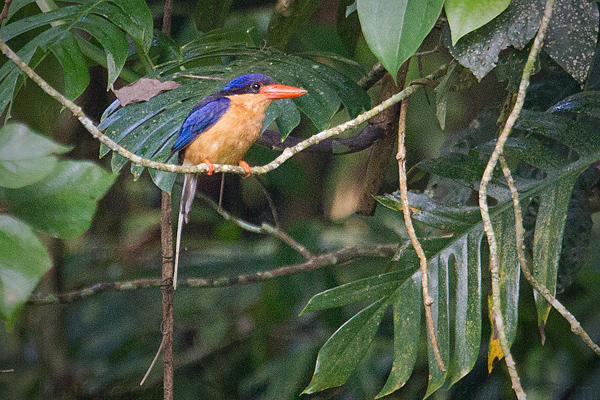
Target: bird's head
{"points": [[261, 84]]}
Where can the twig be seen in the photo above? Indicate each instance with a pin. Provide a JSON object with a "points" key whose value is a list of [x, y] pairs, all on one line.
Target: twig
{"points": [[427, 300], [264, 228], [539, 287], [338, 257], [373, 76], [4, 13], [162, 343], [203, 168], [487, 222], [335, 146]]}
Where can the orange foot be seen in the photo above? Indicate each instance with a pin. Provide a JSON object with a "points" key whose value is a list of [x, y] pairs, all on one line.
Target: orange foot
{"points": [[246, 167], [211, 167]]}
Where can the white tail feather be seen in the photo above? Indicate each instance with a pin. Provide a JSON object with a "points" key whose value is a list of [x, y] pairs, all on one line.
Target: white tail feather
{"points": [[185, 205]]}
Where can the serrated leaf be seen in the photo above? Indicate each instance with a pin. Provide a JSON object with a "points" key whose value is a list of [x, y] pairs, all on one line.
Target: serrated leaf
{"points": [[23, 261], [346, 347], [467, 304], [64, 203], [547, 240], [107, 21], [455, 262], [406, 22], [25, 156], [438, 289], [149, 128], [510, 274], [465, 16], [367, 289], [407, 324]]}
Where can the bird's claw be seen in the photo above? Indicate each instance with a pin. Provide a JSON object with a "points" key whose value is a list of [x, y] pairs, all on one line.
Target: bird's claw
{"points": [[245, 166]]}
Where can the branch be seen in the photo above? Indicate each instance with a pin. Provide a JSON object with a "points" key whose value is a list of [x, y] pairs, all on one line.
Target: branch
{"points": [[264, 228], [4, 13], [338, 257], [336, 146], [427, 300], [539, 287], [483, 205], [203, 168]]}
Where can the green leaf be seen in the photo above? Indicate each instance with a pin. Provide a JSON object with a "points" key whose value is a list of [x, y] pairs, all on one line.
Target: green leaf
{"points": [[516, 26], [211, 14], [572, 36], [348, 25], [107, 21], [407, 324], [467, 304], [149, 128], [23, 261], [367, 289], [112, 40], [438, 289], [64, 203], [465, 16], [10, 73], [547, 240], [455, 265], [25, 156], [394, 29], [77, 76], [441, 95], [340, 355], [284, 22]]}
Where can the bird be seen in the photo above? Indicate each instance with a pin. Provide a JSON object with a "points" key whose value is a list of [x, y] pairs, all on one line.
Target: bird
{"points": [[220, 129]]}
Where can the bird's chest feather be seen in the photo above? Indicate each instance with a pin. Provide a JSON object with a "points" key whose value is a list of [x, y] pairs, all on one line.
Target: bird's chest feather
{"points": [[229, 139]]}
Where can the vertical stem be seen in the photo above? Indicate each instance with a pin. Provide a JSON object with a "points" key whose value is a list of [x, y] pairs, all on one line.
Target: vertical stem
{"points": [[382, 149], [427, 300], [498, 320], [166, 241]]}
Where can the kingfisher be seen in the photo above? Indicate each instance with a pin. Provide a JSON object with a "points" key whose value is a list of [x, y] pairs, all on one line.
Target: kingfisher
{"points": [[220, 129]]}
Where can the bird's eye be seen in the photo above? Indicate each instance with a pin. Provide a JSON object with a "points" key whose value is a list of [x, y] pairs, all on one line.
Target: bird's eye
{"points": [[255, 86]]}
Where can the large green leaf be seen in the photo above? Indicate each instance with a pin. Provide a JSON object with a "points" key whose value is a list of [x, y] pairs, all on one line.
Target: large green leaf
{"points": [[571, 38], [109, 22], [455, 265], [407, 320], [516, 26], [287, 19], [150, 128], [77, 76], [394, 29], [465, 16], [62, 204], [25, 156], [23, 261], [340, 355]]}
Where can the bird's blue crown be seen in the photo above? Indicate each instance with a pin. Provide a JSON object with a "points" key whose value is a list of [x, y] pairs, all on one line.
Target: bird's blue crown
{"points": [[244, 80]]}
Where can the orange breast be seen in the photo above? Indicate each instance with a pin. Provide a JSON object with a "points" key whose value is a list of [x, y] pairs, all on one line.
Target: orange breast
{"points": [[229, 139]]}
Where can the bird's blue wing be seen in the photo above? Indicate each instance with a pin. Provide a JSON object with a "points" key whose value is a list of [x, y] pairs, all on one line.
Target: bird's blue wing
{"points": [[201, 118]]}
